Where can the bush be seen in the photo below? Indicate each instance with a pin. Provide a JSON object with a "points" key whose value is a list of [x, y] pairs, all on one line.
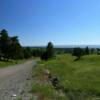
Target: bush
{"points": [[78, 52], [44, 56]]}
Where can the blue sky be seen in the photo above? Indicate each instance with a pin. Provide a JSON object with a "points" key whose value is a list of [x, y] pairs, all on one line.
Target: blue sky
{"points": [[64, 22]]}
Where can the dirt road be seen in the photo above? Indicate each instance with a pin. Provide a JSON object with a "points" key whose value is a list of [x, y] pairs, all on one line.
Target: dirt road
{"points": [[15, 81]]}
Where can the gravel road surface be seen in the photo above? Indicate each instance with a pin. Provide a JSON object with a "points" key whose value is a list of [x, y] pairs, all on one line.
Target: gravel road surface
{"points": [[15, 81]]}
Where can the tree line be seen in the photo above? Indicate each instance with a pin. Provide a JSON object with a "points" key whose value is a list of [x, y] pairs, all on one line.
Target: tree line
{"points": [[10, 47], [79, 52]]}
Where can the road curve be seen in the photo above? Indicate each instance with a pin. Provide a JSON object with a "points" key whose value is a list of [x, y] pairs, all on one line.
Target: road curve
{"points": [[15, 81]]}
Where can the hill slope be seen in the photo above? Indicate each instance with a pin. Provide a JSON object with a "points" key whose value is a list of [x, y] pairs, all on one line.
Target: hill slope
{"points": [[80, 79]]}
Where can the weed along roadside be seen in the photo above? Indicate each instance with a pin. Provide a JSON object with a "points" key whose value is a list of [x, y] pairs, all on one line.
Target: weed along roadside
{"points": [[12, 62], [64, 79], [45, 86], [54, 82]]}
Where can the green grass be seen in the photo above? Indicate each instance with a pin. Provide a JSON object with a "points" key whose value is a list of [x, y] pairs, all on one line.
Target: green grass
{"points": [[81, 79], [11, 62], [46, 92]]}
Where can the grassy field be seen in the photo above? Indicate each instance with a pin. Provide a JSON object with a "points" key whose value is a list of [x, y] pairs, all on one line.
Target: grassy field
{"points": [[80, 79]]}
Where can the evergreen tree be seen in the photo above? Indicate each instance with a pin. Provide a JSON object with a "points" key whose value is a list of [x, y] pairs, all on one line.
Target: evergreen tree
{"points": [[10, 46], [37, 52], [48, 53], [50, 50], [27, 52], [4, 43], [44, 56], [87, 51], [78, 52]]}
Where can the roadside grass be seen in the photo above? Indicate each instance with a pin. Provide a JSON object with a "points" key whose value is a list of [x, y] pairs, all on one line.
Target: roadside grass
{"points": [[80, 79], [10, 62], [19, 98], [46, 92]]}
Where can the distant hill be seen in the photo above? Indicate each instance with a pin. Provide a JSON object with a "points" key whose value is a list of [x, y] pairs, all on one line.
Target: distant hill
{"points": [[73, 46], [68, 46]]}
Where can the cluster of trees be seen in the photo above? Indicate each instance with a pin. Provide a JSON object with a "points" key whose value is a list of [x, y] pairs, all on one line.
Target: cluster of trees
{"points": [[10, 48], [37, 52], [78, 52]]}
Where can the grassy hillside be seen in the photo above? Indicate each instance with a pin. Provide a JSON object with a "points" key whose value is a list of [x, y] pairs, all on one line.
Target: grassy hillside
{"points": [[80, 79]]}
